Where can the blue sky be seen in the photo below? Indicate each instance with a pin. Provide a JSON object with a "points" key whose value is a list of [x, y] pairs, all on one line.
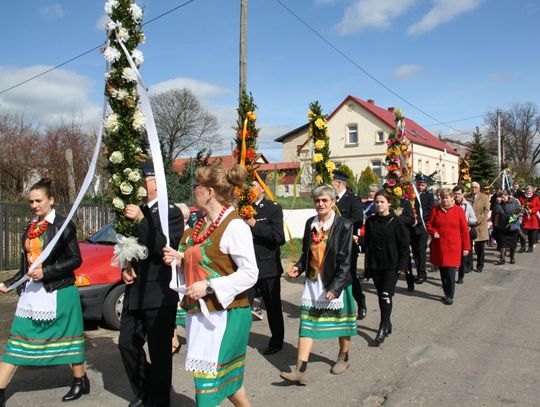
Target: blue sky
{"points": [[451, 58]]}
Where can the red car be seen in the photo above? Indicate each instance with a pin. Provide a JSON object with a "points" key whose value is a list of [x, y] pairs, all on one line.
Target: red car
{"points": [[100, 285]]}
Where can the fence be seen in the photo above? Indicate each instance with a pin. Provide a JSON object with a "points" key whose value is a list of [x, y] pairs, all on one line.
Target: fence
{"points": [[14, 217]]}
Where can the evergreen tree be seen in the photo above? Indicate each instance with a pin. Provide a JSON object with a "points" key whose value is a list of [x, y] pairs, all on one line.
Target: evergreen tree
{"points": [[481, 163], [367, 177], [180, 186], [345, 169]]}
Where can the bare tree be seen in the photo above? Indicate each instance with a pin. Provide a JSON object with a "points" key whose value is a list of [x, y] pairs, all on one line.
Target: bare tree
{"points": [[183, 124], [520, 128]]}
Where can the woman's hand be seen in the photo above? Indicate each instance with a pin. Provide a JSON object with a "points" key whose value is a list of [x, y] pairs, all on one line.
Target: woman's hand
{"points": [[36, 274], [169, 254], [436, 235], [293, 272], [3, 288], [197, 290], [465, 252], [330, 296]]}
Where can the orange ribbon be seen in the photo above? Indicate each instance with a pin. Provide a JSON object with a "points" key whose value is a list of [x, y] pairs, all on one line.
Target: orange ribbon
{"points": [[243, 151]]}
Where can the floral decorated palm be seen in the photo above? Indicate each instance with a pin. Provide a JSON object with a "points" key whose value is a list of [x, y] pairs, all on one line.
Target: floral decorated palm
{"points": [[323, 167]]}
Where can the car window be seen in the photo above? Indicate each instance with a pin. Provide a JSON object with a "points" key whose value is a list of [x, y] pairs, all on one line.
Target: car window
{"points": [[105, 235]]}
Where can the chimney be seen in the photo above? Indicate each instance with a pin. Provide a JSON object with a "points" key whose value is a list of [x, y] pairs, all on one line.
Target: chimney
{"points": [[391, 109], [371, 101]]}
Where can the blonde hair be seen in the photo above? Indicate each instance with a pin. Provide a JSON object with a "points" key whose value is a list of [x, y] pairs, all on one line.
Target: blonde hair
{"points": [[445, 192], [222, 181]]}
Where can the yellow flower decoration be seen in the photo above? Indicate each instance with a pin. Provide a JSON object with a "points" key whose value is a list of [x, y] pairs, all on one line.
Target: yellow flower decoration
{"points": [[326, 133], [398, 191], [330, 166], [319, 144], [310, 114], [319, 179], [320, 123], [251, 116], [317, 157]]}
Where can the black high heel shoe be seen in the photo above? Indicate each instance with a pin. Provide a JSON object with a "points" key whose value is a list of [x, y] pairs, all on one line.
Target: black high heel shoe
{"points": [[80, 386]]}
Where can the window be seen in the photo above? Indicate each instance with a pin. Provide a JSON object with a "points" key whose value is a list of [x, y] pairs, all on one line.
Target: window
{"points": [[352, 134], [376, 166], [453, 180], [426, 171], [419, 166], [379, 137], [286, 188]]}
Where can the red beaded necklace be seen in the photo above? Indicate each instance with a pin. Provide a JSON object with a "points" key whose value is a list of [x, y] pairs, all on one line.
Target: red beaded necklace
{"points": [[200, 222], [35, 231], [318, 237]]}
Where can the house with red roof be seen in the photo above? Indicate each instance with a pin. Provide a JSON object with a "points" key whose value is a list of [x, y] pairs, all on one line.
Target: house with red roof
{"points": [[358, 133]]}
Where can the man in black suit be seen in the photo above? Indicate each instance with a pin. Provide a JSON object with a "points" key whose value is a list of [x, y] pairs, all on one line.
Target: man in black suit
{"points": [[268, 236], [419, 235], [350, 207], [149, 304]]}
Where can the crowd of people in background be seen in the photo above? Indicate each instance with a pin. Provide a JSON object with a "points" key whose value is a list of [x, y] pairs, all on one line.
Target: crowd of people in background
{"points": [[224, 260]]}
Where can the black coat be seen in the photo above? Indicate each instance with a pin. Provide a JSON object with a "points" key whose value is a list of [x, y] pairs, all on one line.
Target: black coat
{"points": [[268, 236], [65, 258], [351, 208], [151, 286], [427, 199], [387, 243], [337, 257]]}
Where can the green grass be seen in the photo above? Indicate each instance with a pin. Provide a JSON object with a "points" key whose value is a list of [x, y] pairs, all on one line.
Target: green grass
{"points": [[300, 203], [286, 249]]}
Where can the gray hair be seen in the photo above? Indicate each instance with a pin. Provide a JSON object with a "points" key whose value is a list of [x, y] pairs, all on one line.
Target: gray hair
{"points": [[374, 187], [324, 190]]}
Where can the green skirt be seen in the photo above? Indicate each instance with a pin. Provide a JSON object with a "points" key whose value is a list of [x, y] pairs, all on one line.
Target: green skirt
{"points": [[330, 323], [44, 343], [180, 317], [212, 389]]}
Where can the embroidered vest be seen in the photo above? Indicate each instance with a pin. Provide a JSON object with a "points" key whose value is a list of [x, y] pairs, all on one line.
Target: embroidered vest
{"points": [[206, 261]]}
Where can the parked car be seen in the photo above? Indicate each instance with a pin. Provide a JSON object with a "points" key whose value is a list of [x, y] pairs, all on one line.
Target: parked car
{"points": [[100, 285]]}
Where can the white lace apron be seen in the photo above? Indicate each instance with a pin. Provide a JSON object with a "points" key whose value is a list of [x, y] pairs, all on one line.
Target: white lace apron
{"points": [[36, 303]]}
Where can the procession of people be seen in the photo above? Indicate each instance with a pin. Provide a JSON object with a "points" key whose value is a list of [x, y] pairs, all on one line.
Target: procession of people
{"points": [[224, 258]]}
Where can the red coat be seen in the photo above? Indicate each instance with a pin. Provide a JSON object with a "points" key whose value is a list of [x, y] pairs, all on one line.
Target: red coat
{"points": [[451, 225], [530, 221]]}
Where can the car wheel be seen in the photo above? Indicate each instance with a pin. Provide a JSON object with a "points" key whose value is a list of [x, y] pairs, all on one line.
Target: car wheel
{"points": [[112, 307]]}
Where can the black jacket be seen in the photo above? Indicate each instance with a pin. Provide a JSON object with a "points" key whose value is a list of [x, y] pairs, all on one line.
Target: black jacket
{"points": [[427, 199], [65, 258], [151, 287], [268, 236], [351, 208], [387, 243], [337, 260]]}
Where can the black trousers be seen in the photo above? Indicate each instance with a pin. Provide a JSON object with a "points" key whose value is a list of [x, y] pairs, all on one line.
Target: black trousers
{"points": [[151, 382], [358, 295], [448, 279], [479, 248], [466, 263], [385, 282], [419, 248], [270, 289], [531, 236]]}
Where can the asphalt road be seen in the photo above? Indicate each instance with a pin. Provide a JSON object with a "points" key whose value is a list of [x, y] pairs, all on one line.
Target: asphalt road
{"points": [[482, 351]]}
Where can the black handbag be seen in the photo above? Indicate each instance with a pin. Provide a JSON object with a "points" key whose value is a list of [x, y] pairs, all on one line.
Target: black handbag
{"points": [[473, 232]]}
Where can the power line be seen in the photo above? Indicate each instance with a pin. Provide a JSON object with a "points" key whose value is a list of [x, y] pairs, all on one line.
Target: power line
{"points": [[90, 50], [457, 120], [360, 67]]}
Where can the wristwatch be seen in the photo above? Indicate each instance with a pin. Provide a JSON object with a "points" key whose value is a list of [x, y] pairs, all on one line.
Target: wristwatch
{"points": [[209, 288]]}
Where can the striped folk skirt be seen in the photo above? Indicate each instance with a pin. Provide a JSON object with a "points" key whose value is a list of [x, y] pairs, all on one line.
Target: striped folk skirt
{"points": [[180, 317], [330, 323], [44, 343], [212, 389]]}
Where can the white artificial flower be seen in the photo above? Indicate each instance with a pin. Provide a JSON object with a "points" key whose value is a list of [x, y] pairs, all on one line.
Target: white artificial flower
{"points": [[111, 25], [129, 75], [109, 5], [111, 122], [107, 75], [121, 94], [137, 56], [141, 192], [139, 120], [143, 38], [123, 34], [134, 176], [116, 157], [136, 12], [115, 178], [127, 171], [126, 188], [118, 203], [111, 55]]}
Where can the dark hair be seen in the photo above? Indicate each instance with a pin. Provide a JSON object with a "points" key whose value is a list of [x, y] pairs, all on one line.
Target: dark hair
{"points": [[45, 185], [222, 181], [385, 194], [458, 188]]}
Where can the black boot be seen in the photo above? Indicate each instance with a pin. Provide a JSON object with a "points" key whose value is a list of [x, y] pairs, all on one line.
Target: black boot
{"points": [[385, 305], [409, 277], [80, 386], [383, 333], [513, 256], [2, 397]]}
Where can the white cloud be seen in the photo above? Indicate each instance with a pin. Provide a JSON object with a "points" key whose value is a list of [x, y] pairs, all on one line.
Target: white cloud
{"points": [[52, 12], [100, 24], [204, 91], [58, 95], [372, 13], [500, 77], [407, 71], [442, 12]]}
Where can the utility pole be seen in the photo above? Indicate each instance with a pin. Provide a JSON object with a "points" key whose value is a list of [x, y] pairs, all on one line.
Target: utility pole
{"points": [[499, 141], [243, 47]]}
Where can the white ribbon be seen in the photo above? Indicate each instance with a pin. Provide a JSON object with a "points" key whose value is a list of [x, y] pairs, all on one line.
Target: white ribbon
{"points": [[127, 249]]}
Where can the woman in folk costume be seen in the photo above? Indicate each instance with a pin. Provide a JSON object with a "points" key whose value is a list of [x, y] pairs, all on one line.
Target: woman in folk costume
{"points": [[219, 267], [48, 325], [450, 240], [328, 308]]}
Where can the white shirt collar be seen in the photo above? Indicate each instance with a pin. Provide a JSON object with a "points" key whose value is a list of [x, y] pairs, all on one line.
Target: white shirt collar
{"points": [[152, 202], [326, 225], [51, 216], [259, 201], [341, 193]]}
